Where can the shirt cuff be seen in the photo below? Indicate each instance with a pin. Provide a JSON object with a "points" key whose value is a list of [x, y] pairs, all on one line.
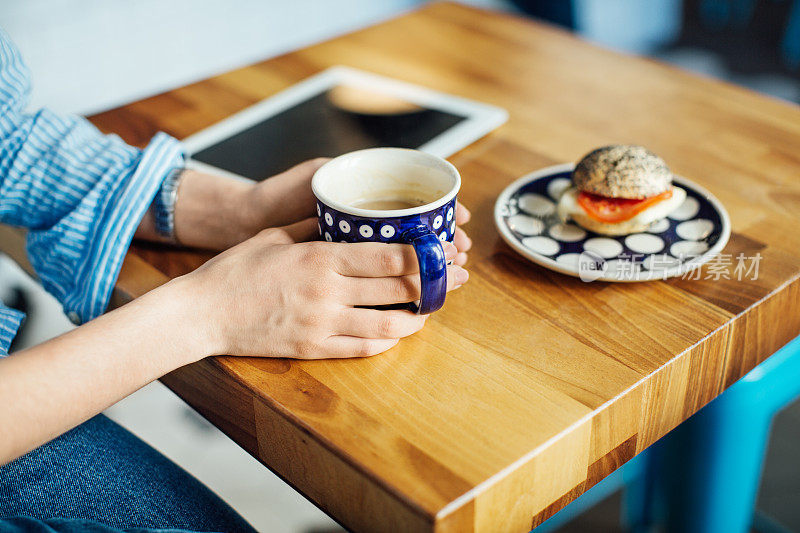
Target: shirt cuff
{"points": [[10, 319], [126, 207]]}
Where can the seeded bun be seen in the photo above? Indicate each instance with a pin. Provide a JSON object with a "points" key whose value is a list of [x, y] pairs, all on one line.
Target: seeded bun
{"points": [[622, 171]]}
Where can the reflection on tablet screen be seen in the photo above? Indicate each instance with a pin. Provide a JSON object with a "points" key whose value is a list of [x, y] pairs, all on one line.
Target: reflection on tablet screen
{"points": [[330, 123]]}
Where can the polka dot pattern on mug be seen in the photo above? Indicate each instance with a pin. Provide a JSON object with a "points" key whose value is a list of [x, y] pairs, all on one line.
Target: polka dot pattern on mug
{"points": [[365, 230], [337, 226], [668, 247]]}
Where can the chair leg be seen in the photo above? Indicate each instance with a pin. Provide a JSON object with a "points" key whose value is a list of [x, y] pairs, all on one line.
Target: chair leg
{"points": [[639, 495], [711, 467]]}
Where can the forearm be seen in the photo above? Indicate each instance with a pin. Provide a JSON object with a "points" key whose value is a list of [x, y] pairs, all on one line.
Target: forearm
{"points": [[55, 386]]}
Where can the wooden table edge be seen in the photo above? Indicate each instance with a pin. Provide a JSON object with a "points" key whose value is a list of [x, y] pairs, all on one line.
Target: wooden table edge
{"points": [[129, 288]]}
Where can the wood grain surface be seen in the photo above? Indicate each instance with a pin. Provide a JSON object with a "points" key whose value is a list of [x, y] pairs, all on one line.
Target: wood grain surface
{"points": [[529, 386]]}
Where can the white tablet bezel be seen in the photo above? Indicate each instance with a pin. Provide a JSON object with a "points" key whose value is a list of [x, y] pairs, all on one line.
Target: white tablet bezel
{"points": [[480, 118]]}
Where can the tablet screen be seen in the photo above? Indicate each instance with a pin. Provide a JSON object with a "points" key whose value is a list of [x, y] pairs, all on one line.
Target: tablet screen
{"points": [[330, 123]]}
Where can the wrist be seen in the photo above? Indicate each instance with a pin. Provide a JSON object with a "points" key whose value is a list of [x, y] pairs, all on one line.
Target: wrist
{"points": [[213, 211], [191, 334], [253, 208]]}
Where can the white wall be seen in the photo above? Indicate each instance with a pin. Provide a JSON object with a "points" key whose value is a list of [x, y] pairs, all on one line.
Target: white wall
{"points": [[91, 55]]}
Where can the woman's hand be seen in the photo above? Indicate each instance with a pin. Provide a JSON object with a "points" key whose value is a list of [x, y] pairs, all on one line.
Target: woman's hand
{"points": [[287, 199], [271, 297], [217, 212]]}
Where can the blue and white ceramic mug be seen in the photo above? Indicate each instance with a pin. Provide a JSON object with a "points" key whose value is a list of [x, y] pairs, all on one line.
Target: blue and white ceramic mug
{"points": [[392, 195]]}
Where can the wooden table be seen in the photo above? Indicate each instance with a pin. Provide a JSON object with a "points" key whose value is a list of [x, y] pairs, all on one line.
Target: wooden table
{"points": [[529, 386]]}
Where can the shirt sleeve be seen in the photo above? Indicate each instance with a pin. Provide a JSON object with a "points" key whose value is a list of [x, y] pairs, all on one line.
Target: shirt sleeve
{"points": [[80, 193], [10, 320]]}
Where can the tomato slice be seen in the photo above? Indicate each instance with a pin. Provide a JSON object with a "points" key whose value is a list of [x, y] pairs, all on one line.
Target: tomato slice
{"points": [[610, 210]]}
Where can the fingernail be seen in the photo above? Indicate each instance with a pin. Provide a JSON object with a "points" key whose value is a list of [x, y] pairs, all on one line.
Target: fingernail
{"points": [[450, 250], [461, 276]]}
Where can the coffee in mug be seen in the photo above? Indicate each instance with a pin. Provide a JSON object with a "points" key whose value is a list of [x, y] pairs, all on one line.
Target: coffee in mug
{"points": [[390, 200]]}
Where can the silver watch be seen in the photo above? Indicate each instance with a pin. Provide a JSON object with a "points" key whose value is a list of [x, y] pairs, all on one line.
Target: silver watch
{"points": [[164, 205]]}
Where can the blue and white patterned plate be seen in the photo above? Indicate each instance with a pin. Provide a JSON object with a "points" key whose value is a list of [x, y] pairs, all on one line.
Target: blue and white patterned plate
{"points": [[525, 214]]}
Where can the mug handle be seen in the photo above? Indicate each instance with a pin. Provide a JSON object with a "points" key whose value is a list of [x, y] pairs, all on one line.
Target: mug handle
{"points": [[432, 268]]}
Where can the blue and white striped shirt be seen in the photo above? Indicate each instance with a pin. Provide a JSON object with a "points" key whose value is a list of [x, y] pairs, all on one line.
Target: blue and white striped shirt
{"points": [[80, 193]]}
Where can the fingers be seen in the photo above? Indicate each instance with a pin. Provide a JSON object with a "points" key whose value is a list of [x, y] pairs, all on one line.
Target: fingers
{"points": [[305, 169], [377, 260], [297, 232], [462, 214], [305, 230], [366, 332], [273, 236], [394, 290], [462, 241], [375, 324], [342, 346], [286, 198]]}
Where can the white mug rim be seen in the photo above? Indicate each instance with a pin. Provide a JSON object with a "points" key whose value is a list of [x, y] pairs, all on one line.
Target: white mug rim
{"points": [[389, 213]]}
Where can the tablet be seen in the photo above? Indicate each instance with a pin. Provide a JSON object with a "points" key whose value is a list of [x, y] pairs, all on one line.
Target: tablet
{"points": [[336, 111]]}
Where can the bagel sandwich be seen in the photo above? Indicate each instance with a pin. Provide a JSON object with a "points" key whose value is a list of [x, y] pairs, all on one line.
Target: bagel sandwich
{"points": [[620, 189]]}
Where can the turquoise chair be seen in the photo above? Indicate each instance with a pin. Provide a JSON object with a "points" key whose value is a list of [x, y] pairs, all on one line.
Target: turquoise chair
{"points": [[704, 475]]}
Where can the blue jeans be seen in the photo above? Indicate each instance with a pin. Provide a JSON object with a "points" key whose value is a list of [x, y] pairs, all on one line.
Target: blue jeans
{"points": [[100, 477]]}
